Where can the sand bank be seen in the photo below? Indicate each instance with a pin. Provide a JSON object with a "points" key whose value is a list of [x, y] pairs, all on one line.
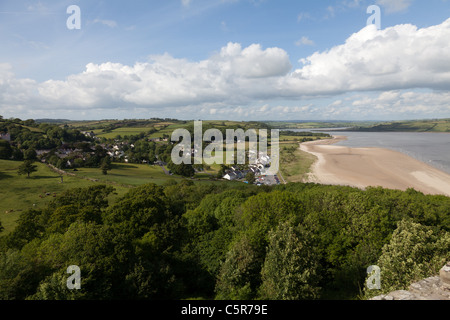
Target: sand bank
{"points": [[376, 167]]}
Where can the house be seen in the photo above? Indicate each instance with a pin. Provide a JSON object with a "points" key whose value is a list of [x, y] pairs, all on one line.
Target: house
{"points": [[5, 136], [42, 152], [254, 169], [230, 176], [88, 134], [263, 159], [70, 163]]}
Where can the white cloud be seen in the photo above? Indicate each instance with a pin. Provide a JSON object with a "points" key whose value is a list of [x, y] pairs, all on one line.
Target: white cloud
{"points": [[303, 16], [352, 3], [393, 6], [395, 62], [399, 57], [13, 91], [186, 3], [234, 73], [108, 23], [304, 41], [331, 12], [36, 7]]}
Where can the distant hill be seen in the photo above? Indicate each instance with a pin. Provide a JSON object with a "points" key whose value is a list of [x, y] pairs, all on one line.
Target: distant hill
{"points": [[438, 125], [54, 121], [316, 124]]}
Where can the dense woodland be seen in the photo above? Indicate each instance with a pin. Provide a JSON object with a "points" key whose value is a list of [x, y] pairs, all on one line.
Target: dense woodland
{"points": [[221, 241]]}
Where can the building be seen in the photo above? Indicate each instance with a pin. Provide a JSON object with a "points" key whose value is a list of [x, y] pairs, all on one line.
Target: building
{"points": [[5, 136], [230, 176]]}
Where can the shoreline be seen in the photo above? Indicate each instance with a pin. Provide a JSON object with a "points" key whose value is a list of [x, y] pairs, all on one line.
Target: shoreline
{"points": [[372, 167]]}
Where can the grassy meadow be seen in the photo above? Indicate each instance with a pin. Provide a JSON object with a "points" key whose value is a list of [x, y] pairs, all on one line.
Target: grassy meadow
{"points": [[295, 164], [20, 193], [127, 175]]}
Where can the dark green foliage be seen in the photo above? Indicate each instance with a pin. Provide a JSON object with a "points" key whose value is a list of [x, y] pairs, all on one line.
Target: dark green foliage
{"points": [[183, 240], [239, 276], [106, 165], [27, 168], [250, 177], [5, 150], [30, 154], [291, 268], [414, 252], [185, 170]]}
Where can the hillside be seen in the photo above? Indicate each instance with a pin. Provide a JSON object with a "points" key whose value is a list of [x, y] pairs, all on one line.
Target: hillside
{"points": [[441, 125]]}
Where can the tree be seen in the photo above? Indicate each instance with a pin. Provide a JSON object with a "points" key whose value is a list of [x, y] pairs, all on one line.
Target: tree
{"points": [[61, 164], [239, 274], [17, 154], [106, 165], [78, 163], [290, 270], [250, 177], [30, 154], [27, 168], [185, 170], [222, 171], [5, 150], [415, 252]]}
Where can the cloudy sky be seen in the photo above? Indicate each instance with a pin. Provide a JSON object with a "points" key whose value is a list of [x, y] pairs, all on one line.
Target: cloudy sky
{"points": [[225, 59]]}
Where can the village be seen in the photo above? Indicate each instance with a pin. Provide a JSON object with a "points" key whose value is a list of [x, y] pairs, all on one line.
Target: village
{"points": [[68, 157], [258, 170]]}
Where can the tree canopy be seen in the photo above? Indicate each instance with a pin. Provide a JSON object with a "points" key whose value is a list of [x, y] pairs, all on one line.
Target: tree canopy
{"points": [[184, 240], [27, 168]]}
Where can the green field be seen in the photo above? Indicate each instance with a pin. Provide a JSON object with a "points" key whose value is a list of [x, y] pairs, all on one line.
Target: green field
{"points": [[20, 193], [122, 132], [295, 165], [128, 174]]}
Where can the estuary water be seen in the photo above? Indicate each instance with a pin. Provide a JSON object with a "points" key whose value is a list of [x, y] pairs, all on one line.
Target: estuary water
{"points": [[428, 147]]}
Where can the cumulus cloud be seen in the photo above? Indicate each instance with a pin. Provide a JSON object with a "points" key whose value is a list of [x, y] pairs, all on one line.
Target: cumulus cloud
{"points": [[400, 103], [167, 81], [13, 91], [399, 57], [389, 61]]}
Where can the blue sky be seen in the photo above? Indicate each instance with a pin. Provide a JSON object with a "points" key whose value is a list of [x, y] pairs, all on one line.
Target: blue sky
{"points": [[225, 59]]}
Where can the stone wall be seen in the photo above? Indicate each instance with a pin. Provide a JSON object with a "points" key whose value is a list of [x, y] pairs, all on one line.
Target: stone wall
{"points": [[434, 288]]}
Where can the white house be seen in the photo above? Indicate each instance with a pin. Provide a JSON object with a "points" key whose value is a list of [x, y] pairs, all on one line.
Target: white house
{"points": [[230, 176]]}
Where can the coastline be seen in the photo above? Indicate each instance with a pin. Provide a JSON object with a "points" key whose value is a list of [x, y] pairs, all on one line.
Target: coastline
{"points": [[372, 167]]}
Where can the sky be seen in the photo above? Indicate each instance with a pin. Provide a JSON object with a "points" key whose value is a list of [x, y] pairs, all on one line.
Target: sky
{"points": [[225, 59]]}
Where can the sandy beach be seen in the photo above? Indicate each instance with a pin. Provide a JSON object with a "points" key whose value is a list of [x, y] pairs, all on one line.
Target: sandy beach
{"points": [[376, 167]]}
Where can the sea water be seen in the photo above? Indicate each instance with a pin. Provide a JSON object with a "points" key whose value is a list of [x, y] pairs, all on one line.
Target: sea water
{"points": [[429, 147]]}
